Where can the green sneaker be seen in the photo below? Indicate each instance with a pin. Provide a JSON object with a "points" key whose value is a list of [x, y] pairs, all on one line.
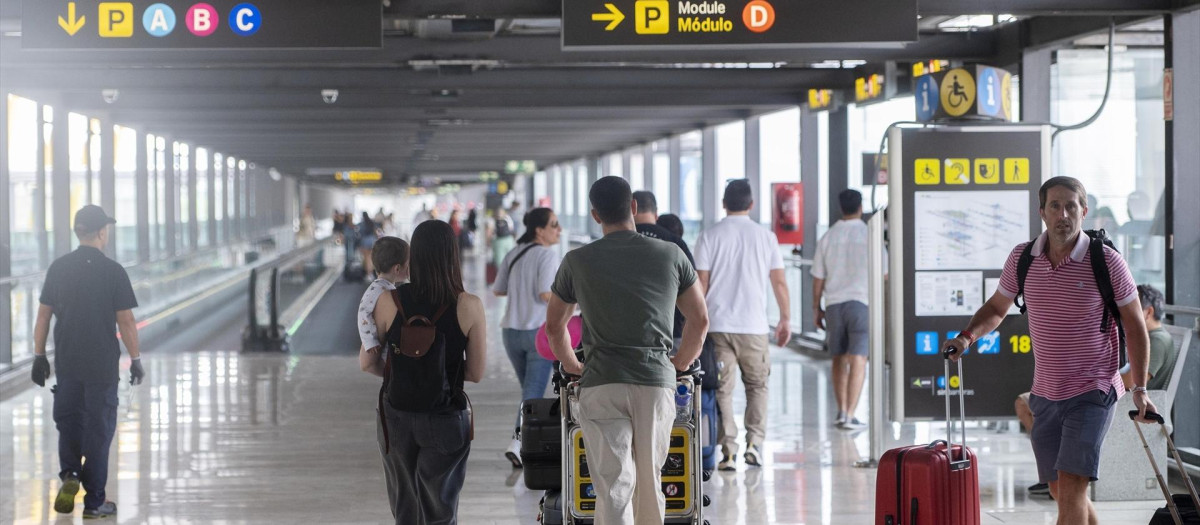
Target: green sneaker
{"points": [[64, 503], [103, 511]]}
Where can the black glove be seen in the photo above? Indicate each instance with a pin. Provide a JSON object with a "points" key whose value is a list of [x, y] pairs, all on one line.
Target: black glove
{"points": [[136, 373], [41, 370]]}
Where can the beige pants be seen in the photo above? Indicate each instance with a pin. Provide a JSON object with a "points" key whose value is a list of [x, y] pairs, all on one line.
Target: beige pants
{"points": [[627, 433], [747, 352]]}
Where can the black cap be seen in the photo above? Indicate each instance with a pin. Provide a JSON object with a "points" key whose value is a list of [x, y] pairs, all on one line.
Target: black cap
{"points": [[91, 219]]}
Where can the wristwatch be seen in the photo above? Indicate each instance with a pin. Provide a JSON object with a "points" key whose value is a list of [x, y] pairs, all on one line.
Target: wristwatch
{"points": [[1139, 389]]}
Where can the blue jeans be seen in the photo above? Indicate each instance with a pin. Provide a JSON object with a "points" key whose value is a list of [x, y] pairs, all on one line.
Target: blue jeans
{"points": [[533, 370], [86, 417]]}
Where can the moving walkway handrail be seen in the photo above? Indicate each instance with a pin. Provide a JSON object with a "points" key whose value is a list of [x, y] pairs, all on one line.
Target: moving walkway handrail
{"points": [[244, 243]]}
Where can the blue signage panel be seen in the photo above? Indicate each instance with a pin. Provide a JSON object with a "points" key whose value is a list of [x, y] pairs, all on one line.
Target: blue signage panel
{"points": [[926, 93], [989, 97]]}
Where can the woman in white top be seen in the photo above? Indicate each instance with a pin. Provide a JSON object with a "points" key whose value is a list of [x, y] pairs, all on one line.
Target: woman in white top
{"points": [[525, 277]]}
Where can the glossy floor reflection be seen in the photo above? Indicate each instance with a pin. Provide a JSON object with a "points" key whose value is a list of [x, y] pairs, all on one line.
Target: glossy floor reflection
{"points": [[215, 436]]}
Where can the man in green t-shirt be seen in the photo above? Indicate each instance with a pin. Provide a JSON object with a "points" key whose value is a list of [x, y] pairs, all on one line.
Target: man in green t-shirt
{"points": [[628, 287], [1162, 345]]}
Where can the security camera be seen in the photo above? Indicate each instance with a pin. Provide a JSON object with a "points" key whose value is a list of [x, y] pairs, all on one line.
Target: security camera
{"points": [[110, 95], [329, 95]]}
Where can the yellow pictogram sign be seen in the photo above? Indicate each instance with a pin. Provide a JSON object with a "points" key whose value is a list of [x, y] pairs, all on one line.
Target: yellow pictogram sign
{"points": [[1016, 171], [116, 20], [928, 171], [70, 24], [651, 17], [958, 171], [613, 17], [987, 171], [958, 92]]}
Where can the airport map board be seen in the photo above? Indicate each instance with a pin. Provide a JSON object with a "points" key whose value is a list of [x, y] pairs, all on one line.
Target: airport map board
{"points": [[207, 24], [734, 23], [961, 199]]}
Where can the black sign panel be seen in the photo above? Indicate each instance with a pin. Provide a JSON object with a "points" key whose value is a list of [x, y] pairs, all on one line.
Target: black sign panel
{"points": [[969, 196], [734, 23], [208, 24]]}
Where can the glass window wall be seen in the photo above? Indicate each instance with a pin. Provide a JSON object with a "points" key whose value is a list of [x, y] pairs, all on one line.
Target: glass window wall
{"points": [[125, 186], [48, 182], [1121, 157], [183, 190], [202, 217], [690, 180], [731, 162], [779, 153], [662, 181], [23, 181], [637, 175], [78, 129], [866, 126]]}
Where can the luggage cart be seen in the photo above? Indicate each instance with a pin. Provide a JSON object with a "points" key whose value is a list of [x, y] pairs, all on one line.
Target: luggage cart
{"points": [[682, 482]]}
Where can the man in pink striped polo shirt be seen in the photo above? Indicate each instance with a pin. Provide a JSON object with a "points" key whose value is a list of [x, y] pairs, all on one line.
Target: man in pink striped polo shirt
{"points": [[1075, 380]]}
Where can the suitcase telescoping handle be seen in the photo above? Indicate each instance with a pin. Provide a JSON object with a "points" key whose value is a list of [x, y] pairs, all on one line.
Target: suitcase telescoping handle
{"points": [[962, 413], [1162, 483]]}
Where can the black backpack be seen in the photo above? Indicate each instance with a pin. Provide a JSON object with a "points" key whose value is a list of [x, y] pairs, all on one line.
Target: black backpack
{"points": [[415, 379], [1098, 239]]}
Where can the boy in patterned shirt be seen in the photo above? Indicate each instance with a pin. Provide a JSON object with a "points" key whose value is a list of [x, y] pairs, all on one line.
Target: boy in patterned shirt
{"points": [[390, 257]]}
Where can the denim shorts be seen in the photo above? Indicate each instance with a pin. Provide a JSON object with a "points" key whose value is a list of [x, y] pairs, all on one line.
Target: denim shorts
{"points": [[1067, 434]]}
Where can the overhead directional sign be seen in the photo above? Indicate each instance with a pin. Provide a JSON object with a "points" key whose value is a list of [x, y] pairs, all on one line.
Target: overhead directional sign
{"points": [[734, 23], [192, 24]]}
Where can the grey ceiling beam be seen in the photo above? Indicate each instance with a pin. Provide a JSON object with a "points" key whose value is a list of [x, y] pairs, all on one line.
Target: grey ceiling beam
{"points": [[508, 49], [210, 80]]}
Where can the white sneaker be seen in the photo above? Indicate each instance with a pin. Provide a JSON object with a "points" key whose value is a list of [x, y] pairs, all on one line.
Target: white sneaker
{"points": [[514, 453], [853, 424]]}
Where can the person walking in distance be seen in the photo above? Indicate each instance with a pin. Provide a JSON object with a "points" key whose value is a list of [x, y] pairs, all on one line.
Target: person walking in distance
{"points": [[628, 286], [525, 278], [89, 294], [840, 276], [736, 259], [1075, 379]]}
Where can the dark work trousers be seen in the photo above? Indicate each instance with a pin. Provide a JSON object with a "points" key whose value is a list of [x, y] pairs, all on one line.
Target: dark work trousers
{"points": [[426, 465], [86, 417]]}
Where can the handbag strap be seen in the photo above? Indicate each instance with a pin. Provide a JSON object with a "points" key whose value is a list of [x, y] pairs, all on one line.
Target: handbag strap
{"points": [[508, 271]]}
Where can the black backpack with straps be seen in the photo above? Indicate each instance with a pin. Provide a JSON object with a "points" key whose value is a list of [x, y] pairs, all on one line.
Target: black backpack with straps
{"points": [[1097, 240]]}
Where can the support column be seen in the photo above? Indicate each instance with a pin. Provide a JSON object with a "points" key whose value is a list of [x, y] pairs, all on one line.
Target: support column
{"points": [[648, 168], [839, 159], [593, 174], [674, 150], [710, 187], [142, 176], [211, 225], [1035, 85], [39, 192], [810, 180], [108, 180], [170, 190], [753, 170], [60, 176], [238, 188], [5, 234], [627, 166], [193, 233], [1182, 215]]}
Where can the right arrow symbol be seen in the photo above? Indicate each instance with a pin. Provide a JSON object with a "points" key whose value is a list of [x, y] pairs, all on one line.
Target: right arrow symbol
{"points": [[71, 24], [613, 17]]}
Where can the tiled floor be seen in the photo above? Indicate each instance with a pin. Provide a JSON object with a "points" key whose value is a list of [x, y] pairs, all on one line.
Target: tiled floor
{"points": [[218, 437]]}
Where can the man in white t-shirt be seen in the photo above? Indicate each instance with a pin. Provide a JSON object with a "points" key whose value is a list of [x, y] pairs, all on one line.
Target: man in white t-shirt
{"points": [[735, 259], [840, 275]]}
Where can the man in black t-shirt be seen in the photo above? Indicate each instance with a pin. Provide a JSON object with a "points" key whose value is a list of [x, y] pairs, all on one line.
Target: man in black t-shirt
{"points": [[89, 294], [646, 220]]}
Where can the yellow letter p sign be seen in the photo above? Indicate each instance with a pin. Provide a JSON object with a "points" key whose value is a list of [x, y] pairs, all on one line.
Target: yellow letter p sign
{"points": [[116, 19]]}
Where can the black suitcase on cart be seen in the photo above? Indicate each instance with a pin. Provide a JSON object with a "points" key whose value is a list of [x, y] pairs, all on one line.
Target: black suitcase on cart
{"points": [[541, 443]]}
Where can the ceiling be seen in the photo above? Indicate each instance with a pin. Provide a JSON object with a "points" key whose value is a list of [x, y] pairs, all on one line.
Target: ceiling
{"points": [[447, 99]]}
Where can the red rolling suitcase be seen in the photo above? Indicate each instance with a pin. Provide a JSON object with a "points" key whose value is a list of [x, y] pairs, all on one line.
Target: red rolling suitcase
{"points": [[934, 484]]}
